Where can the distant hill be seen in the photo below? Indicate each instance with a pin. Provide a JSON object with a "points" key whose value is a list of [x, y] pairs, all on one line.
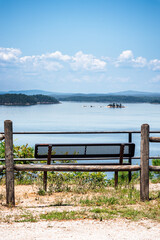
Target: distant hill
{"points": [[25, 100], [37, 92], [126, 96], [113, 99], [31, 92], [134, 93], [119, 97]]}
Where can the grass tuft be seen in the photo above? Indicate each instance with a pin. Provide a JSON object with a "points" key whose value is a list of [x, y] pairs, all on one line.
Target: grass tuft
{"points": [[65, 215]]}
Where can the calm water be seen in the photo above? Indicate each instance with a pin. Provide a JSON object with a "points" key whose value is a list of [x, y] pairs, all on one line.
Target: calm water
{"points": [[70, 116]]}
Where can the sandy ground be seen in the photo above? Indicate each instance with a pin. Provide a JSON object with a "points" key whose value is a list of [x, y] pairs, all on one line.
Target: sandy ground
{"points": [[26, 197], [81, 229]]}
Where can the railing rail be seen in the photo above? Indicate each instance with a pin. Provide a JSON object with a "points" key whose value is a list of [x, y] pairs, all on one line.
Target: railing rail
{"points": [[80, 132], [57, 159]]}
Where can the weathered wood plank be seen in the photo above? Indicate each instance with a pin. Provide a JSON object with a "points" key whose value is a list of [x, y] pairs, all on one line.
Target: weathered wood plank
{"points": [[85, 168], [154, 139], [10, 197], [154, 168], [144, 182]]}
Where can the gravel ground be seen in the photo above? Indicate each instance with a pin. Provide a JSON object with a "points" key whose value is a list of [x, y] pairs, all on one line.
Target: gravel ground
{"points": [[81, 229], [27, 200]]}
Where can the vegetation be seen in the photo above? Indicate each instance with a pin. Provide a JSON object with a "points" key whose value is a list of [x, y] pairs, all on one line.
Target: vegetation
{"points": [[156, 101], [115, 105], [65, 215], [23, 151], [31, 97], [22, 99], [77, 182], [155, 176], [91, 195], [112, 98]]}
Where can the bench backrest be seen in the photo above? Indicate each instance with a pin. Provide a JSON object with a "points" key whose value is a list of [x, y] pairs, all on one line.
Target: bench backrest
{"points": [[84, 150]]}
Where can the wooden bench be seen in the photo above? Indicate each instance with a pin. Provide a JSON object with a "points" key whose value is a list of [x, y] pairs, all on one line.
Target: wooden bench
{"points": [[64, 153]]}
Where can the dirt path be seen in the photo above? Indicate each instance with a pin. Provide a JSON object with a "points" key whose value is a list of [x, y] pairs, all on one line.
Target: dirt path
{"points": [[81, 229]]}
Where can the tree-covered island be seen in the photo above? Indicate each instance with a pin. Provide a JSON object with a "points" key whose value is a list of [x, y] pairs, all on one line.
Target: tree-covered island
{"points": [[115, 105], [25, 100]]}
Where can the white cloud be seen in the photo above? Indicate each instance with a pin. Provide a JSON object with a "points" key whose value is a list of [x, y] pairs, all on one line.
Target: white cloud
{"points": [[87, 62], [126, 59], [58, 56], [139, 62], [44, 61], [56, 61], [8, 54], [50, 56], [155, 64], [126, 55], [27, 59]]}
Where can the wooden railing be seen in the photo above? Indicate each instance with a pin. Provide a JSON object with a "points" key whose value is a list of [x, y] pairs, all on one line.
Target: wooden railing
{"points": [[144, 167]]}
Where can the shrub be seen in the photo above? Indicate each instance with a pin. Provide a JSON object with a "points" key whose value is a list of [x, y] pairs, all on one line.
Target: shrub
{"points": [[155, 176]]}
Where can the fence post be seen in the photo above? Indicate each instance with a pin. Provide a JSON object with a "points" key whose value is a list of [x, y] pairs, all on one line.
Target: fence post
{"points": [[144, 175], [10, 197], [130, 159]]}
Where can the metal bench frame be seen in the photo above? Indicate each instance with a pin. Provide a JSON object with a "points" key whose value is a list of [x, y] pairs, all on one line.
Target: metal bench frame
{"points": [[85, 156], [49, 155]]}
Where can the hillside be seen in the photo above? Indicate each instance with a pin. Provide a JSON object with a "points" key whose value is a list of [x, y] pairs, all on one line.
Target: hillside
{"points": [[40, 96], [25, 100], [112, 98]]}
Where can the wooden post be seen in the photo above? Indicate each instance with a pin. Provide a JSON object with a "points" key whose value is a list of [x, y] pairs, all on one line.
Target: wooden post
{"points": [[130, 159], [144, 179], [45, 172], [10, 197]]}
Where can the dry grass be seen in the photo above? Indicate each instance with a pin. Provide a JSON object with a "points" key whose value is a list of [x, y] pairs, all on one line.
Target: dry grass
{"points": [[110, 204]]}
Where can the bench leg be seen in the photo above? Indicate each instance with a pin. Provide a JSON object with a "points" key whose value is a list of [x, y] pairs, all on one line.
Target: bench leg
{"points": [[129, 176], [45, 181], [116, 179]]}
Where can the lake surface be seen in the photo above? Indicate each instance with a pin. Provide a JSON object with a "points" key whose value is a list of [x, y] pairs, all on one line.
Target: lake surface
{"points": [[71, 116]]}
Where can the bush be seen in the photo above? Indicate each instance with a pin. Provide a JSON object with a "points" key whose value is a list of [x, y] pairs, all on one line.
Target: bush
{"points": [[23, 151], [155, 176], [75, 181]]}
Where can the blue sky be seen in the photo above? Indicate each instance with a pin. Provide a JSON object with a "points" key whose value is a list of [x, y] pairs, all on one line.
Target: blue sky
{"points": [[80, 46]]}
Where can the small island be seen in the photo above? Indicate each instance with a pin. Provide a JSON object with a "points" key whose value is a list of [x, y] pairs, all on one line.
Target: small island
{"points": [[25, 100], [115, 105]]}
